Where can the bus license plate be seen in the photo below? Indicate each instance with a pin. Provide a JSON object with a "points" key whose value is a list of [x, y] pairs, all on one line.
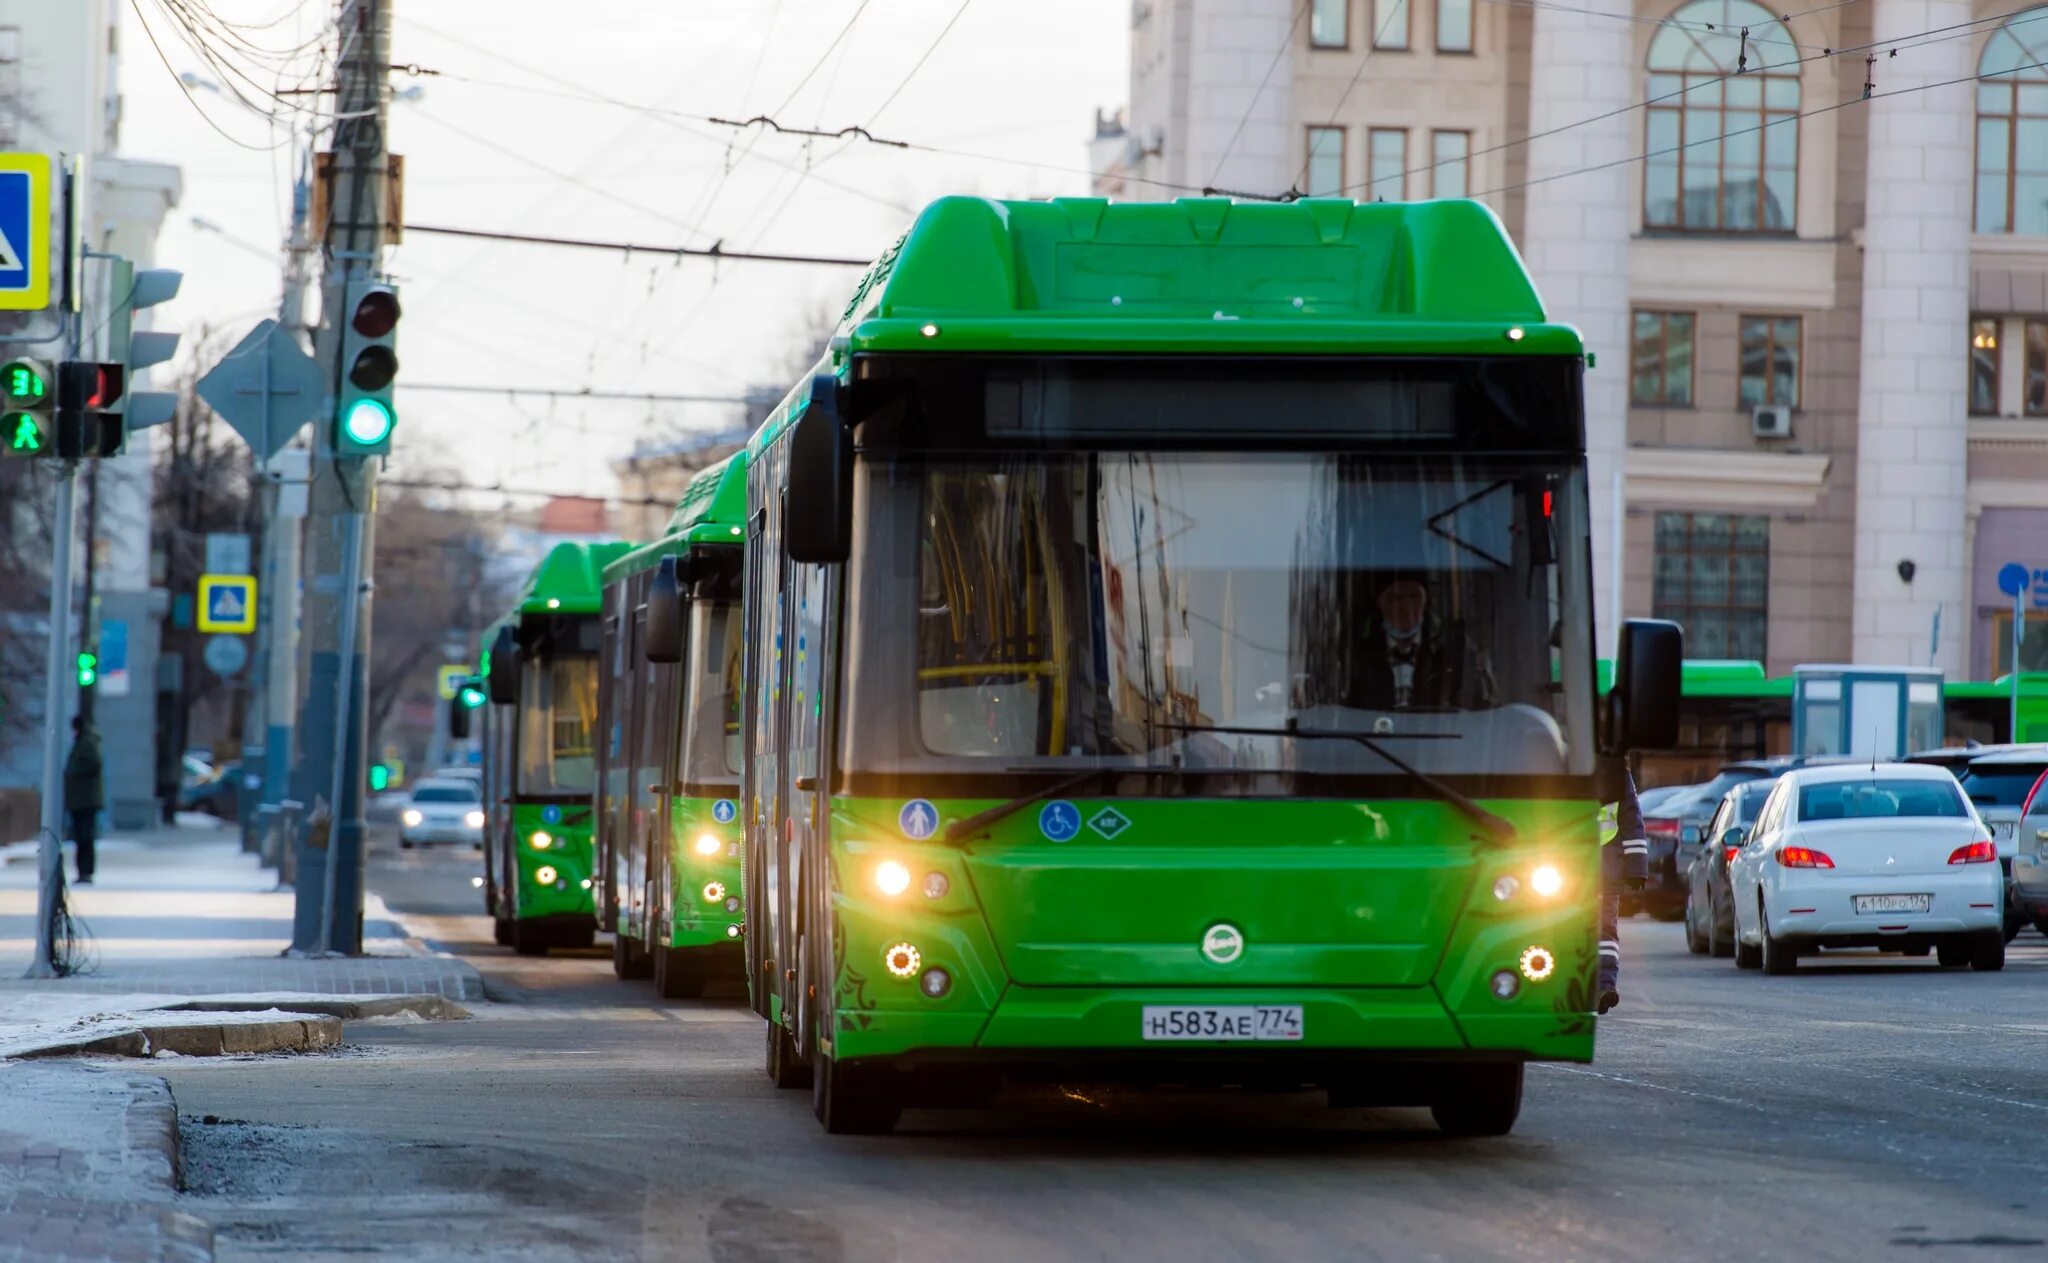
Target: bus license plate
{"points": [[1223, 1023], [1893, 903]]}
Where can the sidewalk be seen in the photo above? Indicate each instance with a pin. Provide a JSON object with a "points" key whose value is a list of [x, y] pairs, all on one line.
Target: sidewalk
{"points": [[181, 912], [89, 1168]]}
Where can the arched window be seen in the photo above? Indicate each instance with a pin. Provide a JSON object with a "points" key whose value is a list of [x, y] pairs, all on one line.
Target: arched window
{"points": [[2012, 128], [1723, 132]]}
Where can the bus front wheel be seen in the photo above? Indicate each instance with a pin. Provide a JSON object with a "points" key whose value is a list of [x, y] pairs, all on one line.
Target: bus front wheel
{"points": [[676, 976], [854, 1100], [784, 1070], [1483, 1101]]}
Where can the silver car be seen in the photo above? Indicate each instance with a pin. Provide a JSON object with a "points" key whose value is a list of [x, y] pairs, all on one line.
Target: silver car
{"points": [[442, 810], [1998, 783]]}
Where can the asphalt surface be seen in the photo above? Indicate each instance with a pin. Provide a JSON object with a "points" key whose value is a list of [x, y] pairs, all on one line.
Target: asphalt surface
{"points": [[1866, 1108]]}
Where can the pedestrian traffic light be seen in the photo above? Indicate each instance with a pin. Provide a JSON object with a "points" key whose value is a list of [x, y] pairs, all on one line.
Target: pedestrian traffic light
{"points": [[88, 395], [27, 427], [369, 363], [88, 668]]}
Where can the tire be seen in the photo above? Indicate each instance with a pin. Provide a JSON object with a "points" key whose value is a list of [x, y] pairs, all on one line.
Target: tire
{"points": [[1630, 905], [405, 844], [531, 938], [1747, 955], [854, 1100], [1695, 942], [1987, 955], [1486, 1103], [501, 931], [1954, 953], [576, 940], [2013, 925], [1664, 910], [1918, 949], [1720, 938], [676, 975], [784, 1070], [628, 959], [1778, 958], [2041, 925]]}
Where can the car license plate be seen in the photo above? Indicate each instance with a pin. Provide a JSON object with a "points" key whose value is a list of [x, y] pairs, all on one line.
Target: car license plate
{"points": [[1893, 903], [1223, 1023], [2001, 830]]}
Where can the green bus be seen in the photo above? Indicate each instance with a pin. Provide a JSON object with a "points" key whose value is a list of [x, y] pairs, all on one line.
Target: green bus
{"points": [[668, 832], [539, 754], [1170, 658]]}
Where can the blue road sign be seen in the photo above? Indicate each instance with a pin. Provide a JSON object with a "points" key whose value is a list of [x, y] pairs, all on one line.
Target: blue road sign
{"points": [[227, 603], [2013, 578], [24, 231]]}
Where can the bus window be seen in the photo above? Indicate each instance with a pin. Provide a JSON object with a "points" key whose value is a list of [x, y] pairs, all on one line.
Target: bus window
{"points": [[557, 720]]}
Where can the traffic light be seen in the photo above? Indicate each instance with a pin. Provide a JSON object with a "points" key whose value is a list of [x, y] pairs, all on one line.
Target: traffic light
{"points": [[380, 778], [87, 396], [27, 425], [471, 695], [364, 421], [132, 291], [88, 668]]}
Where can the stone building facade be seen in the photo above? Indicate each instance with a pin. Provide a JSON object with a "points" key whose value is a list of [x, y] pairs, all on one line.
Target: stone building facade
{"points": [[1708, 189]]}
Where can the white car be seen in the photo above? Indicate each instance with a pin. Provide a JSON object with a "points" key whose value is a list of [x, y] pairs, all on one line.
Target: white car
{"points": [[1885, 855], [442, 810]]}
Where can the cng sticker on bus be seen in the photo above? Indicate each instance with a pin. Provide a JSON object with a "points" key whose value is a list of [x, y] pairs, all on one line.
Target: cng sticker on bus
{"points": [[1109, 822], [918, 819]]}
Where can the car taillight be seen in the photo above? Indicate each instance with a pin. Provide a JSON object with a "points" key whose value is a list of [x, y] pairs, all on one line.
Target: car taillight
{"points": [[1803, 857], [1728, 854], [1978, 852], [1668, 830]]}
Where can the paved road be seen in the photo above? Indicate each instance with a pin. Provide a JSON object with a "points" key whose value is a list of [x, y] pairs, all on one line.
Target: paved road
{"points": [[1866, 1110]]}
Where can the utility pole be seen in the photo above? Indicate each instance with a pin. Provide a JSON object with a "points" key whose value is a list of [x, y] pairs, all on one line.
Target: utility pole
{"points": [[331, 729]]}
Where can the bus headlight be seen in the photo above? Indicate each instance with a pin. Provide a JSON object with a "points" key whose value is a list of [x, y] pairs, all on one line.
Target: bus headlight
{"points": [[714, 891], [1506, 888], [706, 845], [545, 874], [1505, 985], [1545, 880], [541, 840], [891, 878], [474, 820], [412, 818], [1537, 964], [903, 959]]}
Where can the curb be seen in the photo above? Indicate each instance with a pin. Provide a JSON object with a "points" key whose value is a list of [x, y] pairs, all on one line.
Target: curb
{"points": [[202, 1039], [432, 1008], [152, 1124]]}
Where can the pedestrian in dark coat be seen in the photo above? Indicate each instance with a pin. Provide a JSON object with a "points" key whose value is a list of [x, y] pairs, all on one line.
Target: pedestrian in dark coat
{"points": [[85, 792]]}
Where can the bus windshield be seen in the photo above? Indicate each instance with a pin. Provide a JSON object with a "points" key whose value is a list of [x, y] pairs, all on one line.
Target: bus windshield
{"points": [[1084, 608], [712, 759], [557, 717]]}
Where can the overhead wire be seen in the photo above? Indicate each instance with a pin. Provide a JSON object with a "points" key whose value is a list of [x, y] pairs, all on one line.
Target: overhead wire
{"points": [[230, 137]]}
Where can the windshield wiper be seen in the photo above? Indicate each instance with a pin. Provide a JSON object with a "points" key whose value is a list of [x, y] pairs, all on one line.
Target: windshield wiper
{"points": [[982, 819], [1501, 829]]}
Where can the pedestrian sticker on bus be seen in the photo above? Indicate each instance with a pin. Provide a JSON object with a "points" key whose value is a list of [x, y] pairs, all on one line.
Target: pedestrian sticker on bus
{"points": [[918, 819]]}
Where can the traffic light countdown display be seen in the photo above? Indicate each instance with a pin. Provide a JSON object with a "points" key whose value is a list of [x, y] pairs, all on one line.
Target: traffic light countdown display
{"points": [[369, 359], [26, 427]]}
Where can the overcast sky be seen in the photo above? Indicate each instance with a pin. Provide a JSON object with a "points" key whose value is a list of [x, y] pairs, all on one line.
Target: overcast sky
{"points": [[505, 138]]}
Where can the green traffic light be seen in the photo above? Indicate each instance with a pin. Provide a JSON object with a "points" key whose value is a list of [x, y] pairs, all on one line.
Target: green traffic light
{"points": [[472, 696], [23, 434], [366, 423], [88, 670], [380, 778]]}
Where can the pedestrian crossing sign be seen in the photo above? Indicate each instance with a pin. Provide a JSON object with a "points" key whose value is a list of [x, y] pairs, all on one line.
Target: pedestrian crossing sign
{"points": [[24, 231], [227, 603]]}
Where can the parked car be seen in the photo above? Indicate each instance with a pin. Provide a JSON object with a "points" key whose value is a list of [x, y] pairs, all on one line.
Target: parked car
{"points": [[443, 809], [1998, 785], [2029, 886], [1709, 908], [1885, 855], [218, 793]]}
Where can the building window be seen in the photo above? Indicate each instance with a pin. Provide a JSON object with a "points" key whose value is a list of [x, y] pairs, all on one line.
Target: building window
{"points": [[2012, 131], [1984, 366], [1723, 148], [1329, 24], [2036, 403], [1454, 26], [1386, 161], [2033, 642], [1447, 154], [1770, 361], [1325, 162], [1713, 579], [1390, 24], [1663, 359]]}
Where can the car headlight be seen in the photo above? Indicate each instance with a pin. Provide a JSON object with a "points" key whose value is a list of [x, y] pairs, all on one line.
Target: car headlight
{"points": [[474, 820], [412, 817]]}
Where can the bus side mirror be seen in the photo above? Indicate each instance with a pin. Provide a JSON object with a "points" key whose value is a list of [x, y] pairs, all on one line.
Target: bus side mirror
{"points": [[504, 675], [819, 523], [662, 639], [1647, 670], [458, 717]]}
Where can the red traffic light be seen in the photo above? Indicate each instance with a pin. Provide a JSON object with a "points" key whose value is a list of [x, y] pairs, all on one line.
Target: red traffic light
{"points": [[85, 386], [376, 314]]}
